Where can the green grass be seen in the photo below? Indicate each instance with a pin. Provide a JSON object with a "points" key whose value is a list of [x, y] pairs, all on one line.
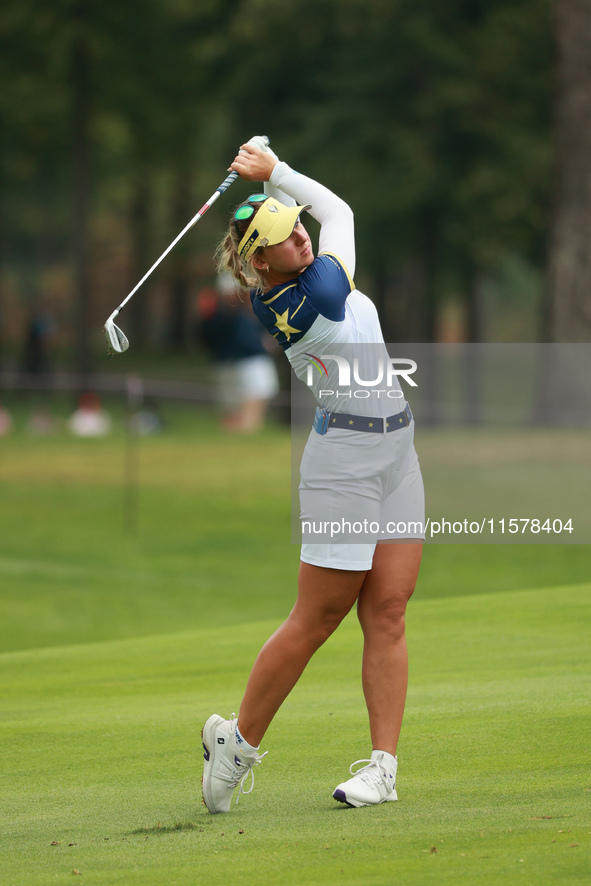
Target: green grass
{"points": [[116, 645], [100, 749], [206, 544]]}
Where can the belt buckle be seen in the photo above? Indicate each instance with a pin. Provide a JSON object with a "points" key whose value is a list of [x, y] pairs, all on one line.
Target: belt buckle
{"points": [[321, 419]]}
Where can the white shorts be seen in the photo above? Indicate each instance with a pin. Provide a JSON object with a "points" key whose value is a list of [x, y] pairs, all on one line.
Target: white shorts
{"points": [[254, 378], [357, 489]]}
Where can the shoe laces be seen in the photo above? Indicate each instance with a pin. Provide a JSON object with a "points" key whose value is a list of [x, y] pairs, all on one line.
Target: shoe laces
{"points": [[371, 773], [244, 768]]}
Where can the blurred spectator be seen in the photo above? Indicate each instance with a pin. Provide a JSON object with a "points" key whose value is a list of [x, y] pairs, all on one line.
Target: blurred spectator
{"points": [[41, 423], [245, 373], [40, 328], [89, 419], [1, 338], [5, 422]]}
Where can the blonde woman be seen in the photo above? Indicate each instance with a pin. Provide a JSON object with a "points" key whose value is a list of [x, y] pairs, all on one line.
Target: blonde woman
{"points": [[361, 461]]}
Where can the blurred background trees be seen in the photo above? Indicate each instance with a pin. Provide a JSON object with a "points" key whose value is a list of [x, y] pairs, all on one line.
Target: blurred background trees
{"points": [[435, 121], [569, 318]]}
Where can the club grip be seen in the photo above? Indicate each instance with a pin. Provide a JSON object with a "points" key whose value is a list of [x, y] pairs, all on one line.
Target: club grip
{"points": [[234, 175], [227, 182]]}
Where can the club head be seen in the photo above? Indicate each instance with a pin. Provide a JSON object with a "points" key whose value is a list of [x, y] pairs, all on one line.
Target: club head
{"points": [[116, 338]]}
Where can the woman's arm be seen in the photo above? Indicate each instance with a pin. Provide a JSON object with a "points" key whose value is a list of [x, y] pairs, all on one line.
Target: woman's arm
{"points": [[274, 192], [278, 194], [337, 231]]}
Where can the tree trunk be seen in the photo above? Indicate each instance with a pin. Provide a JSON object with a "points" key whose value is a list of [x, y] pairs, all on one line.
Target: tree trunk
{"points": [[141, 259], [425, 314], [471, 352], [81, 188], [570, 246], [180, 271]]}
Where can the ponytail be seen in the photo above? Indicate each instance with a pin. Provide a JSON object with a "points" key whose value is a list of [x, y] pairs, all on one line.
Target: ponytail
{"points": [[228, 260]]}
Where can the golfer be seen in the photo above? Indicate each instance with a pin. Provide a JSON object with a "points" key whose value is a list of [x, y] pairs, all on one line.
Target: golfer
{"points": [[359, 460]]}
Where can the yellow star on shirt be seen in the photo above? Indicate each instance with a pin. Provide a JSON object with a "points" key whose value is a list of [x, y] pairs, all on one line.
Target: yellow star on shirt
{"points": [[282, 324]]}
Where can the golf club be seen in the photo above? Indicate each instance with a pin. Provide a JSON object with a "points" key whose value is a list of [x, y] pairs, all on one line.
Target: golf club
{"points": [[116, 338]]}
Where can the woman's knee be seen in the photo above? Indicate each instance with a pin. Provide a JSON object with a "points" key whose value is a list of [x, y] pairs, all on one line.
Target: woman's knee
{"points": [[386, 615], [319, 627]]}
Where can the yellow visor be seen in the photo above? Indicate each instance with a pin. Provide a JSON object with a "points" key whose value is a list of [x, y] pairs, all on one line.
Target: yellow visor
{"points": [[272, 224]]}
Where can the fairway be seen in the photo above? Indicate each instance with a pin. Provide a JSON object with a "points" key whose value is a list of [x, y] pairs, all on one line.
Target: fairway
{"points": [[116, 646], [101, 756]]}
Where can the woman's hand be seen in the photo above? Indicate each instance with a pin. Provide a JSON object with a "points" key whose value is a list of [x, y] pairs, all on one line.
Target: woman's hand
{"points": [[254, 165]]}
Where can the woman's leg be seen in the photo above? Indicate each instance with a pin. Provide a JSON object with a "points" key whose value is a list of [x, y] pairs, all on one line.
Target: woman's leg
{"points": [[381, 609], [325, 596]]}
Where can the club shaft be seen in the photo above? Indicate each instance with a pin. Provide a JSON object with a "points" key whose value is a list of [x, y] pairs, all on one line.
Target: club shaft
{"points": [[223, 187]]}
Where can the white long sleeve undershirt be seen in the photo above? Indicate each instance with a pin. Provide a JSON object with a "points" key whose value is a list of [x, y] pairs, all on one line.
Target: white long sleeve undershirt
{"points": [[337, 229]]}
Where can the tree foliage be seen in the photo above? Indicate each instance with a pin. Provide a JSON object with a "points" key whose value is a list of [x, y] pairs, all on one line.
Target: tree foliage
{"points": [[433, 120]]}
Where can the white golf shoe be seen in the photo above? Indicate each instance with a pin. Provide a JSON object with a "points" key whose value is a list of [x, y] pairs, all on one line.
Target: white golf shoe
{"points": [[225, 765], [372, 784]]}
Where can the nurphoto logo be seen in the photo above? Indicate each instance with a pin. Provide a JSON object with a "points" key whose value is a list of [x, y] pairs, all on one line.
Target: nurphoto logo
{"points": [[384, 371]]}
